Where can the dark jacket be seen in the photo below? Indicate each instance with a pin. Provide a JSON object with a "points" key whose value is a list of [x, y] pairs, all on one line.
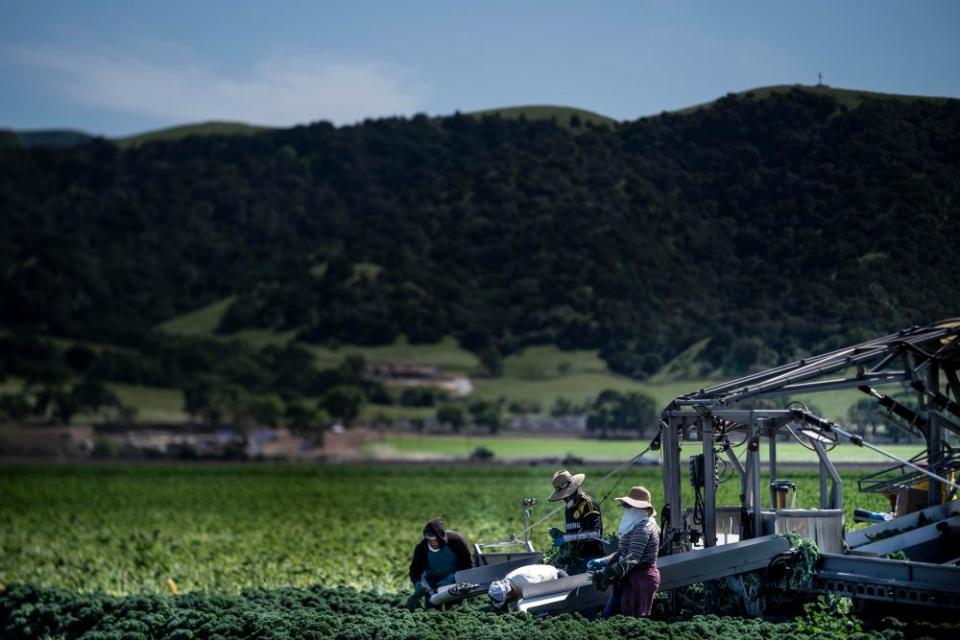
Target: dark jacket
{"points": [[584, 526], [456, 543]]}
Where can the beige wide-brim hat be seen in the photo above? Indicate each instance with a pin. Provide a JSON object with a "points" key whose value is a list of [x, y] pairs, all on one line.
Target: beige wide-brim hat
{"points": [[565, 484], [638, 498]]}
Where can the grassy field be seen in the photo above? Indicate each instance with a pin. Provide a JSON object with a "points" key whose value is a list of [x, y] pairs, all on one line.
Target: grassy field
{"points": [[153, 404], [541, 373], [202, 322], [445, 354], [507, 448], [127, 529], [577, 387], [212, 128], [850, 98]]}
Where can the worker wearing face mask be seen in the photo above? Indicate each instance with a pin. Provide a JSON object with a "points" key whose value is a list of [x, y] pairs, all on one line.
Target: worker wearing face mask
{"points": [[632, 568], [583, 522], [436, 558]]}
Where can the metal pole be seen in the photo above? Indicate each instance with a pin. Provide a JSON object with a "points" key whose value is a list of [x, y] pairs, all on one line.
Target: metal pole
{"points": [[773, 467], [934, 434], [835, 498], [671, 471], [824, 498], [709, 488], [753, 455]]}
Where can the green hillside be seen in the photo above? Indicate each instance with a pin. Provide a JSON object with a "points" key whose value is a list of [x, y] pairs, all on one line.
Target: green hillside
{"points": [[211, 128], [682, 247], [568, 117], [52, 138], [849, 98], [561, 115]]}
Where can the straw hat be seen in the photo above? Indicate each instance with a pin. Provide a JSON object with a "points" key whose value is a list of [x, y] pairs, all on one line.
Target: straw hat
{"points": [[638, 498], [565, 484]]}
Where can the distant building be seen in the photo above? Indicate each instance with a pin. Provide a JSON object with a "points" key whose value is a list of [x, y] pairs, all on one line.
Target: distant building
{"points": [[402, 371], [61, 442]]}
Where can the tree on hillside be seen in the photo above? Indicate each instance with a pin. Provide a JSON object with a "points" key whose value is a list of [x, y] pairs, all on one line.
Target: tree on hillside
{"points": [[261, 410], [342, 403], [422, 396], [452, 415], [93, 395], [487, 413], [492, 361], [636, 240], [616, 411], [300, 416], [565, 407], [865, 413], [14, 407], [211, 399]]}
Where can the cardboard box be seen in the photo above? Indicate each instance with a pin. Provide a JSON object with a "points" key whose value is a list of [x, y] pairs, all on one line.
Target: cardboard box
{"points": [[910, 500]]}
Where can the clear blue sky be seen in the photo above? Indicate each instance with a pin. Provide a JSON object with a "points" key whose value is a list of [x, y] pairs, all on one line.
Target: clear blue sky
{"points": [[116, 68]]}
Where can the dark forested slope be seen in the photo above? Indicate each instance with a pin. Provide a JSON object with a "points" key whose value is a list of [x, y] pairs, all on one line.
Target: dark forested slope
{"points": [[774, 226]]}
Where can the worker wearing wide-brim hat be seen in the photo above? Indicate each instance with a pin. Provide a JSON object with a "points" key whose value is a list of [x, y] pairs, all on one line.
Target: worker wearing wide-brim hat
{"points": [[583, 522], [633, 566]]}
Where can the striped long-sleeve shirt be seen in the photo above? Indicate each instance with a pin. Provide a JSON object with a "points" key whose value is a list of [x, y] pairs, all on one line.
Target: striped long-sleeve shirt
{"points": [[638, 547]]}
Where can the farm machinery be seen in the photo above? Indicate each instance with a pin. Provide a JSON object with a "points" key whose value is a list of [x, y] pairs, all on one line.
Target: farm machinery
{"points": [[909, 556]]}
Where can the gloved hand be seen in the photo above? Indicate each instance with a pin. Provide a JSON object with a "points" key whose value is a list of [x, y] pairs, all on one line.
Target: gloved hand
{"points": [[596, 564], [416, 600], [557, 536], [450, 579], [425, 584]]}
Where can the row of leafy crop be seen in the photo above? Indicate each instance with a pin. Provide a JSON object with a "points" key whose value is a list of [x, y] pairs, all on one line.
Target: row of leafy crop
{"points": [[219, 529], [316, 613]]}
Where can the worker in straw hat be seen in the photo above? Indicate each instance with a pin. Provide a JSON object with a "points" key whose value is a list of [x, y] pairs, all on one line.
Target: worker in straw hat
{"points": [[632, 568], [583, 522]]}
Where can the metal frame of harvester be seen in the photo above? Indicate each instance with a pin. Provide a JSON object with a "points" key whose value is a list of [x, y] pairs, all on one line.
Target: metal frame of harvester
{"points": [[923, 360], [717, 421]]}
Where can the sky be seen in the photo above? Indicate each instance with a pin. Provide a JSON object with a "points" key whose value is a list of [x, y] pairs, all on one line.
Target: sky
{"points": [[118, 68]]}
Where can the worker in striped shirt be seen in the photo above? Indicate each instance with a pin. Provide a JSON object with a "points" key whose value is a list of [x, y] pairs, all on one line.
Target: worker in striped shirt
{"points": [[633, 566]]}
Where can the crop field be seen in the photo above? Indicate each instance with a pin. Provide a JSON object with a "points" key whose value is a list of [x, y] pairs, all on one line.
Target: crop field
{"points": [[296, 552], [513, 448], [220, 529]]}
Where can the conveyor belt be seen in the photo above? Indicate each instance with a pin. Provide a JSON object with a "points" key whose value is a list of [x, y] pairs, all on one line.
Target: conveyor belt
{"points": [[923, 544], [867, 535], [915, 583], [485, 574], [678, 570]]}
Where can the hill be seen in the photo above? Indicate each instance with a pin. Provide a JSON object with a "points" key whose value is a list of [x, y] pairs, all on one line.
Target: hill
{"points": [[848, 98], [757, 229], [567, 117], [52, 138], [212, 128]]}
